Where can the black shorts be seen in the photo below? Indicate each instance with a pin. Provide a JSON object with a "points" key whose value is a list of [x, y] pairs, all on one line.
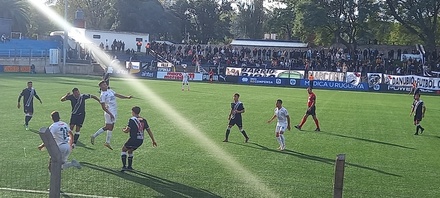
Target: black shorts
{"points": [[133, 143], [236, 121], [28, 109], [77, 120], [418, 118], [311, 111]]}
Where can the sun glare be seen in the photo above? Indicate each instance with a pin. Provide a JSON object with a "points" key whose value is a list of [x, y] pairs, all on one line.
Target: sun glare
{"points": [[211, 147]]}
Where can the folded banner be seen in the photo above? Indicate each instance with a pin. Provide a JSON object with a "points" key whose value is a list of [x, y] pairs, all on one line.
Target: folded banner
{"points": [[427, 83]]}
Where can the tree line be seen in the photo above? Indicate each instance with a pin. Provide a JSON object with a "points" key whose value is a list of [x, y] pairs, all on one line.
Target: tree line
{"points": [[317, 22]]}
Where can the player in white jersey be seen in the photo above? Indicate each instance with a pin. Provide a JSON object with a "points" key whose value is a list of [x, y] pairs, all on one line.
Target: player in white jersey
{"points": [[108, 104], [185, 78], [63, 137], [283, 123]]}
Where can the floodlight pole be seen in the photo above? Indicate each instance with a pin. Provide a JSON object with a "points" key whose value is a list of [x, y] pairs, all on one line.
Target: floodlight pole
{"points": [[66, 34], [339, 176], [55, 164]]}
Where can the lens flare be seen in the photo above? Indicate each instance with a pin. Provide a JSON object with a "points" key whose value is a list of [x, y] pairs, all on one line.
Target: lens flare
{"points": [[251, 180]]}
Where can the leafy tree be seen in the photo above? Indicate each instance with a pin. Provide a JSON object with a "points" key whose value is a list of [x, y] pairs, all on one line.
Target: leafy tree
{"points": [[18, 11], [420, 17], [281, 21], [99, 15], [250, 19]]}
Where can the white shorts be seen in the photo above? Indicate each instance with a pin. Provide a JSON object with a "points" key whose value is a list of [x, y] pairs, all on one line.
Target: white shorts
{"points": [[108, 119], [65, 152], [185, 82], [281, 128]]}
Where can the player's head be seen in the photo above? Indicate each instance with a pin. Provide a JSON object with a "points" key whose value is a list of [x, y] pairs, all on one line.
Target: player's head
{"points": [[136, 110], [29, 84], [75, 91], [279, 103], [103, 85], [236, 96], [55, 116], [417, 96], [309, 90]]}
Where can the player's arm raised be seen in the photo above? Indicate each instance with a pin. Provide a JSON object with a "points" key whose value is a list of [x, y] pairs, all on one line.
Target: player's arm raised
{"points": [[122, 96], [95, 97], [64, 98]]}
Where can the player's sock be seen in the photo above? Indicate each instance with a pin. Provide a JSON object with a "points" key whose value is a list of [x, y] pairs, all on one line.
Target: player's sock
{"points": [[130, 160], [98, 132], [109, 136], [279, 141], [27, 118], [244, 134], [302, 122], [317, 123], [76, 137], [124, 158], [417, 128], [283, 141], [228, 131]]}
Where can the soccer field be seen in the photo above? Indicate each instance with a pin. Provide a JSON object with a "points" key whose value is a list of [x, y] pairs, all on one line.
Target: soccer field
{"points": [[374, 130]]}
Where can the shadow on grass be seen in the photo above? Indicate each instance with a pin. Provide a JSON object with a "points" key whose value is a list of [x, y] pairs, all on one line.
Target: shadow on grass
{"points": [[312, 157], [166, 187], [80, 144], [34, 131], [429, 136], [368, 140]]}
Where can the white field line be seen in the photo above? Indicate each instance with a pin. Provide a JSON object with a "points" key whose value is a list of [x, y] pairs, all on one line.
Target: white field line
{"points": [[47, 192]]}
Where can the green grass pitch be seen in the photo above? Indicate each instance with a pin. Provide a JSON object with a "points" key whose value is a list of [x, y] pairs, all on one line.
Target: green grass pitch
{"points": [[374, 130]]}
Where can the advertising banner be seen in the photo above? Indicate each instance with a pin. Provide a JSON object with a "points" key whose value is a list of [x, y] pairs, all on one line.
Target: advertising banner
{"points": [[147, 74], [178, 76], [327, 76], [374, 81], [353, 78], [427, 83], [268, 81], [334, 85], [261, 72], [16, 69]]}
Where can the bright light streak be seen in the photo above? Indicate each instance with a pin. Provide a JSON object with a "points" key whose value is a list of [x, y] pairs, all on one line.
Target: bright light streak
{"points": [[259, 188]]}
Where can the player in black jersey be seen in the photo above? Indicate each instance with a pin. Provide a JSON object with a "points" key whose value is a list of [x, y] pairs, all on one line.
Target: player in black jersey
{"points": [[78, 102], [418, 108], [136, 127], [28, 102]]}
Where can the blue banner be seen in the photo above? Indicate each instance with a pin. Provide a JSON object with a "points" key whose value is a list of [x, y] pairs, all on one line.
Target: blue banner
{"points": [[147, 74], [334, 85], [268, 81], [1, 68]]}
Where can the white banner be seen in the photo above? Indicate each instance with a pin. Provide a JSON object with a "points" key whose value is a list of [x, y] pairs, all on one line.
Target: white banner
{"points": [[422, 82], [353, 78], [328, 76], [374, 79], [261, 72], [53, 56], [179, 76], [406, 57]]}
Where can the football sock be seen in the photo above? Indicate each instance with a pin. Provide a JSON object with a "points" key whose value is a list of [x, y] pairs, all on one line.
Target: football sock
{"points": [[27, 118], [76, 137], [130, 160], [282, 140], [124, 158], [317, 123], [302, 122], [279, 140], [244, 134], [100, 130], [228, 131], [109, 136]]}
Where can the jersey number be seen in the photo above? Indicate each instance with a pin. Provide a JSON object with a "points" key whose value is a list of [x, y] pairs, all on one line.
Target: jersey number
{"points": [[64, 130]]}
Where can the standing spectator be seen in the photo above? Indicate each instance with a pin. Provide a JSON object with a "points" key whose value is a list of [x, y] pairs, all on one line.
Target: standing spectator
{"points": [[139, 45], [33, 69]]}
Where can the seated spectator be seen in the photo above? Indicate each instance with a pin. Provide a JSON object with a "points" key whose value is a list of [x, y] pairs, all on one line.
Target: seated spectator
{"points": [[3, 38]]}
